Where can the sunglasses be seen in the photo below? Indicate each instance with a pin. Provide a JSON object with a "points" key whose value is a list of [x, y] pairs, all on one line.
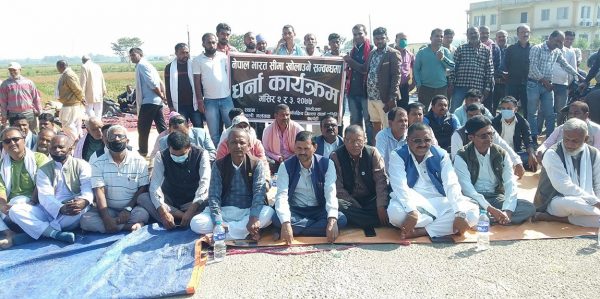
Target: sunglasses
{"points": [[9, 140]]}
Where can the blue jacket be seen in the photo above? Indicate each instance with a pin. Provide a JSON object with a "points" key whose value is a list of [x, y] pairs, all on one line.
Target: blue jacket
{"points": [[434, 167], [321, 144], [318, 171]]}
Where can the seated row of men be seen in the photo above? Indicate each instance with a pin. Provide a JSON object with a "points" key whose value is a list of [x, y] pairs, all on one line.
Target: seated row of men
{"points": [[316, 195]]}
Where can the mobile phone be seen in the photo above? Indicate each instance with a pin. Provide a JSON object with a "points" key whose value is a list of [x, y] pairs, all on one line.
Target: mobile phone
{"points": [[370, 232]]}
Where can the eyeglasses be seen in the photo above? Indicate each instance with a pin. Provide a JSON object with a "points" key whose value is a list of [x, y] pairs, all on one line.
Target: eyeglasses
{"points": [[9, 140], [118, 136], [330, 125], [422, 140], [488, 135]]}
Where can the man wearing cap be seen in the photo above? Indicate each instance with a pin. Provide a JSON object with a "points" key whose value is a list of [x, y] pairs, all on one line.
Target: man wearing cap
{"points": [[93, 85], [18, 95], [261, 44], [198, 136], [71, 96], [485, 174]]}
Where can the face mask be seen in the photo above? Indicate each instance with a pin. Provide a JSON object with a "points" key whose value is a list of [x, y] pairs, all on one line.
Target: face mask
{"points": [[403, 43], [179, 159], [507, 114], [58, 158], [117, 146]]}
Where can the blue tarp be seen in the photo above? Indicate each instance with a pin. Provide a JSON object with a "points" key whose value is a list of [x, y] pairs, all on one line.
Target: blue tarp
{"points": [[150, 262]]}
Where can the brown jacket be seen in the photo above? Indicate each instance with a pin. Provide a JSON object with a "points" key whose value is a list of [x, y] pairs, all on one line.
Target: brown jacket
{"points": [[69, 89], [388, 74]]}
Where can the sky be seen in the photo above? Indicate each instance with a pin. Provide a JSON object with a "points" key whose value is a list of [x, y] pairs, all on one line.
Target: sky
{"points": [[40, 28]]}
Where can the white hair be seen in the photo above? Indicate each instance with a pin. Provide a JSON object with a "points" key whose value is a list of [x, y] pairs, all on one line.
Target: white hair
{"points": [[575, 124], [112, 129], [93, 120]]}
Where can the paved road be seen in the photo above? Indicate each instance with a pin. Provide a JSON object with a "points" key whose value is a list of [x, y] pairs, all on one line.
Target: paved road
{"points": [[565, 268]]}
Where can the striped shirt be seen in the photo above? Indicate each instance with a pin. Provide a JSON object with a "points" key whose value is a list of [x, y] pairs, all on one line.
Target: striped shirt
{"points": [[18, 96], [473, 67], [541, 62], [120, 182]]}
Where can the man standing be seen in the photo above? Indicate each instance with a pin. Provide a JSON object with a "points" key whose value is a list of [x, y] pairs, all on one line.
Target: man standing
{"points": [[569, 39], [516, 67], [356, 78], [426, 198], [261, 44], [329, 140], [179, 86], [561, 79], [484, 37], [499, 79], [306, 202], [71, 96], [310, 43], [407, 82], [288, 45], [149, 92], [473, 68], [237, 193], [539, 84], [18, 95], [93, 85], [362, 183], [393, 137], [119, 180], [20, 121], [569, 186], [431, 63], [250, 43], [448, 39], [485, 175], [383, 80], [212, 87], [17, 178], [334, 45], [179, 185], [223, 33], [279, 137], [64, 193], [91, 141]]}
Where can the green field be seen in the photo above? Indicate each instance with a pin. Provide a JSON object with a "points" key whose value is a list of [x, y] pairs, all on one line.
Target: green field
{"points": [[116, 75]]}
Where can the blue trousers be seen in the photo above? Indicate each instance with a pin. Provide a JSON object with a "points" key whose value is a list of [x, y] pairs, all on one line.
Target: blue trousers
{"points": [[310, 221]]}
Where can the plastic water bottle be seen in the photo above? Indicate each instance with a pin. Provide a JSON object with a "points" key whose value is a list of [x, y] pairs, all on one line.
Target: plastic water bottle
{"points": [[483, 232], [598, 244], [274, 180], [219, 239]]}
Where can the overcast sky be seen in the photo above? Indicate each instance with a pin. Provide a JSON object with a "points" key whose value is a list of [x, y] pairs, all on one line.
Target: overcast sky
{"points": [[37, 28]]}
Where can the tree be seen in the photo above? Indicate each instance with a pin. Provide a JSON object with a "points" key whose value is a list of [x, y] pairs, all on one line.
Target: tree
{"points": [[582, 43], [237, 40], [122, 46]]}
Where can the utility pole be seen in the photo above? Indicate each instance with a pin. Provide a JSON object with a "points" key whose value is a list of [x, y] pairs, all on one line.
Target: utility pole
{"points": [[188, 36]]}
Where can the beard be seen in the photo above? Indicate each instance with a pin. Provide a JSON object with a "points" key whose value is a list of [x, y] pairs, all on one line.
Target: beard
{"points": [[251, 46], [210, 51], [575, 152]]}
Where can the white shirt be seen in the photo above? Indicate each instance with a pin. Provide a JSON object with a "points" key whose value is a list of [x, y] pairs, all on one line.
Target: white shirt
{"points": [[304, 194], [456, 143], [487, 181], [122, 181], [508, 132], [52, 194], [386, 143], [560, 76], [215, 77], [561, 181], [330, 147]]}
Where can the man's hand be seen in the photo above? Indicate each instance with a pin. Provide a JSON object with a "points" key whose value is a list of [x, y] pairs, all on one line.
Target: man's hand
{"points": [[253, 226], [389, 105], [500, 216], [188, 215], [201, 107], [168, 221], [350, 202], [74, 207], [539, 155], [123, 217], [439, 54], [332, 230], [519, 170], [508, 215], [547, 84], [287, 234], [383, 216], [4, 208], [532, 162], [582, 86], [408, 227], [110, 225], [460, 225]]}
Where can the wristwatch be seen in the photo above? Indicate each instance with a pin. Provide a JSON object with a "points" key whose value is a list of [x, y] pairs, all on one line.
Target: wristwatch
{"points": [[462, 215], [128, 209]]}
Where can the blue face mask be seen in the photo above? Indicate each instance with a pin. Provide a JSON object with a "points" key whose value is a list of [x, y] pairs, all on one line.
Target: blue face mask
{"points": [[507, 114], [403, 43], [179, 159]]}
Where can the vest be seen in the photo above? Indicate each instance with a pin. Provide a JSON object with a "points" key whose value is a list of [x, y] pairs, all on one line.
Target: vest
{"points": [[318, 171], [365, 168], [545, 191], [462, 132], [181, 180], [497, 155], [434, 167], [442, 132], [71, 170], [226, 168], [321, 144]]}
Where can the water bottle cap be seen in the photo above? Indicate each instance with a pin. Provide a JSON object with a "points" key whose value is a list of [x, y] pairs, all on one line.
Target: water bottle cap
{"points": [[218, 222], [482, 212]]}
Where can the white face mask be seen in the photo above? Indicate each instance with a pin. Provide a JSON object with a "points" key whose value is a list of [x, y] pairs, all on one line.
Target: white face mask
{"points": [[179, 159]]}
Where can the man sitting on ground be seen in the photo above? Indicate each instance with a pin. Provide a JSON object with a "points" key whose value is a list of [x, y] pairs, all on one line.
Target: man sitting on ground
{"points": [[485, 175], [426, 197], [442, 122], [199, 137], [120, 179], [329, 140], [20, 121], [306, 202], [18, 167], [64, 193], [255, 147], [237, 191], [44, 138], [179, 185], [393, 137], [473, 96], [362, 184], [569, 187], [278, 137], [91, 141]]}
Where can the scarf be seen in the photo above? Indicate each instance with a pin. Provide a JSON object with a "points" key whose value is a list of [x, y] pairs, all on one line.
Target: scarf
{"points": [[6, 163], [366, 51], [173, 79], [584, 180]]}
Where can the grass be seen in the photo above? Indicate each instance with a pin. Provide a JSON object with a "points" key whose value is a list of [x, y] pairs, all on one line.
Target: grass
{"points": [[116, 76]]}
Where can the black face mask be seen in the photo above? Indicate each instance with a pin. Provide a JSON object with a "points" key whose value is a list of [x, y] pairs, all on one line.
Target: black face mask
{"points": [[59, 159], [117, 146]]}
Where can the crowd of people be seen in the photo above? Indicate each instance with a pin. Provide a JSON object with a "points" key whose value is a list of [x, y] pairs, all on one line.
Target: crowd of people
{"points": [[428, 167]]}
